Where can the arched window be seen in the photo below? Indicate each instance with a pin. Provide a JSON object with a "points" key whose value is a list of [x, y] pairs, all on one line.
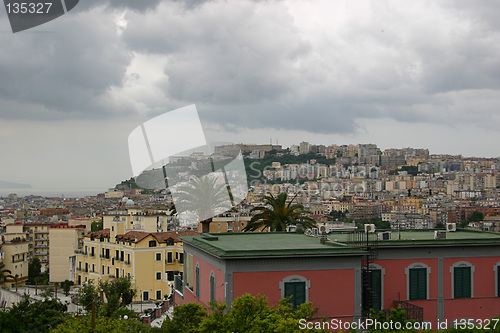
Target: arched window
{"points": [[417, 281], [462, 280], [297, 287]]}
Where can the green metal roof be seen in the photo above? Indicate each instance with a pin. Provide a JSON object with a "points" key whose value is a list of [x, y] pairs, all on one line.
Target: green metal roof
{"points": [[266, 244]]}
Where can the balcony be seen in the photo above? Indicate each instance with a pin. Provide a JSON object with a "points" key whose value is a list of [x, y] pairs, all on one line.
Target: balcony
{"points": [[18, 260], [80, 252], [102, 256], [41, 245], [42, 253], [178, 285]]}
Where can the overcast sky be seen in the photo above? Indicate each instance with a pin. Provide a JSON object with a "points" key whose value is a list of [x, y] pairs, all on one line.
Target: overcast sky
{"points": [[422, 74]]}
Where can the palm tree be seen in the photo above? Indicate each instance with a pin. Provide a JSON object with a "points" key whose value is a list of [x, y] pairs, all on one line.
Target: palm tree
{"points": [[278, 214], [16, 280], [4, 274], [204, 197]]}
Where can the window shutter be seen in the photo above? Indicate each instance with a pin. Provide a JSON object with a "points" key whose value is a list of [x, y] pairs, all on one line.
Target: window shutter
{"points": [[376, 279], [197, 281], [498, 281], [298, 292], [462, 282], [418, 283], [212, 288]]}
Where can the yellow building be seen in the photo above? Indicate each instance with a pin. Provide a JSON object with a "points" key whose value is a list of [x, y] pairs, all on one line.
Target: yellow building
{"points": [[64, 241], [137, 220], [343, 206], [151, 259], [15, 259]]}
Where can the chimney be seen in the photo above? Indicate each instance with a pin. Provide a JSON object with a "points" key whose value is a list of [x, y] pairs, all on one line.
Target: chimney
{"points": [[135, 240]]}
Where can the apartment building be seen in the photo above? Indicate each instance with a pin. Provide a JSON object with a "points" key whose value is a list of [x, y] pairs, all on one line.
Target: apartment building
{"points": [[38, 236], [137, 219], [151, 259], [64, 241]]}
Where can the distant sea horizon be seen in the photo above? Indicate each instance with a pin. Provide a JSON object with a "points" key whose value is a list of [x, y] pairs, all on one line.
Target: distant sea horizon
{"points": [[52, 192]]}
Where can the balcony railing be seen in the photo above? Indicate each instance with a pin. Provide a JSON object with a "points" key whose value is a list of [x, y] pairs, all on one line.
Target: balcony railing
{"points": [[413, 312], [178, 284]]}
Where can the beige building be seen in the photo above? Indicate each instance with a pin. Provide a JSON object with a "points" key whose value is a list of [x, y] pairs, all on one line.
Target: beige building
{"points": [[64, 241], [150, 259], [15, 258], [227, 222], [136, 219]]}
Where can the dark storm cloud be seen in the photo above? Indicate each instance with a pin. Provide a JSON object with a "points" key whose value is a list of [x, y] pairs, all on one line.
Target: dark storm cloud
{"points": [[253, 63], [66, 71]]}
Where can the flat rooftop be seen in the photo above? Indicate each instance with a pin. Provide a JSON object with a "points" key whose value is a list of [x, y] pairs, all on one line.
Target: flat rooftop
{"points": [[266, 244], [420, 237], [339, 243]]}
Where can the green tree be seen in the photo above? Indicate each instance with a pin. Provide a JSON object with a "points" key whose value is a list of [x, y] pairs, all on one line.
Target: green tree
{"points": [[83, 324], [96, 226], [118, 293], [66, 286], [247, 314], [278, 214], [34, 270], [187, 318], [39, 316], [16, 280], [476, 216], [87, 294], [4, 274]]}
